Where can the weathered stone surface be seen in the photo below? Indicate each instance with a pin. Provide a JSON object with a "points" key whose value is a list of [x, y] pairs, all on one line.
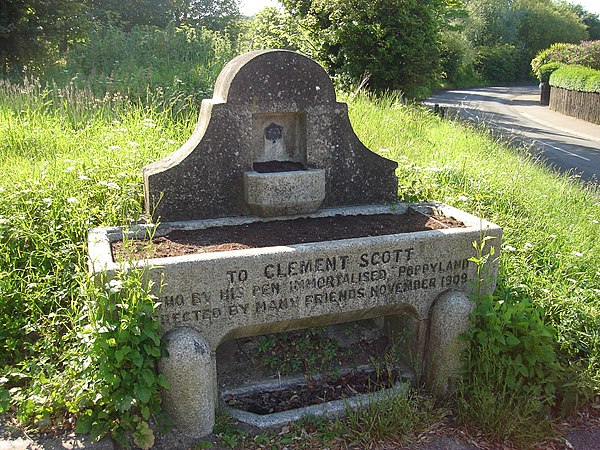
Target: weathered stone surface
{"points": [[276, 110], [421, 276], [254, 94], [189, 368], [449, 319], [250, 292], [284, 193]]}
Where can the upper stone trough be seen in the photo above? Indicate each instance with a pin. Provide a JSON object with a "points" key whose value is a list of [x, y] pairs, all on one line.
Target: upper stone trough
{"points": [[272, 105]]}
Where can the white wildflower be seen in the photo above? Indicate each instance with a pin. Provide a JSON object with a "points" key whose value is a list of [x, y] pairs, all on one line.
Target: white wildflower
{"points": [[577, 254], [114, 286]]}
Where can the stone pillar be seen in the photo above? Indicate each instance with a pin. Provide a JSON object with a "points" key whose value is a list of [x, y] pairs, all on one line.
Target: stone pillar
{"points": [[190, 401], [449, 318]]}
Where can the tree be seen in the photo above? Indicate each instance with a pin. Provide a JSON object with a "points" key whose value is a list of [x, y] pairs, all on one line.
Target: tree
{"points": [[392, 42], [272, 28], [212, 14], [590, 20], [126, 15], [543, 22], [32, 30]]}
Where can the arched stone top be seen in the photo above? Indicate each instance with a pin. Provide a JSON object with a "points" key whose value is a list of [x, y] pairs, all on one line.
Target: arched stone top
{"points": [[256, 93], [268, 76]]}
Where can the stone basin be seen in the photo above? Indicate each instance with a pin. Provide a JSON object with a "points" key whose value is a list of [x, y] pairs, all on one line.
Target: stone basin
{"points": [[209, 298], [284, 193], [231, 294]]}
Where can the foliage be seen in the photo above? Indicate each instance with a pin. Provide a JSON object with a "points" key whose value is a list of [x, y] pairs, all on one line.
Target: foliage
{"points": [[212, 14], [542, 23], [391, 44], [546, 70], [179, 64], [511, 363], [36, 34], [395, 415], [547, 260], [590, 20], [457, 57], [497, 64], [32, 31], [308, 351], [119, 388], [271, 28], [58, 151], [528, 26], [576, 78], [126, 15], [585, 54]]}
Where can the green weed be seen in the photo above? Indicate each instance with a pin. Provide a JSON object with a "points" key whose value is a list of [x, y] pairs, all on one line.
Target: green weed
{"points": [[307, 351], [394, 416]]}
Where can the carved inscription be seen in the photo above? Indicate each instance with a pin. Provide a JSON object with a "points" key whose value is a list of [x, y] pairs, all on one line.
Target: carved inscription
{"points": [[306, 287]]}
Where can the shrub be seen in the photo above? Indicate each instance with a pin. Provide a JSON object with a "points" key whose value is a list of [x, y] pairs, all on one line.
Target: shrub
{"points": [[586, 54], [546, 70], [497, 63], [457, 55], [576, 78]]}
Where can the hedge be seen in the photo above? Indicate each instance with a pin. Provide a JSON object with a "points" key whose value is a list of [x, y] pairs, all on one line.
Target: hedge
{"points": [[576, 78]]}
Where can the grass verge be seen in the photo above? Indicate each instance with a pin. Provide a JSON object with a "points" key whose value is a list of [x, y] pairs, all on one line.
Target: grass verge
{"points": [[70, 161]]}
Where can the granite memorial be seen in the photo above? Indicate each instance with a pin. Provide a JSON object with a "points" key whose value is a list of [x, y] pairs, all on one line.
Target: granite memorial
{"points": [[272, 144]]}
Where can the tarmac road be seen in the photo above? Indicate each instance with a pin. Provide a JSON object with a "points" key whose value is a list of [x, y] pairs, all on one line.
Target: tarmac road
{"points": [[568, 144]]}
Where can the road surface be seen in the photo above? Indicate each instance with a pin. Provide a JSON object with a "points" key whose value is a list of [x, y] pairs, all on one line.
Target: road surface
{"points": [[571, 145]]}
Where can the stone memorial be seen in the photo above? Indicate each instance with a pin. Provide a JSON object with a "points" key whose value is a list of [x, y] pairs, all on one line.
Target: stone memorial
{"points": [[272, 145]]}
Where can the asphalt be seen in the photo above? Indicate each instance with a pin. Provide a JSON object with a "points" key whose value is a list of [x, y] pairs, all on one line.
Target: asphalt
{"points": [[568, 144]]}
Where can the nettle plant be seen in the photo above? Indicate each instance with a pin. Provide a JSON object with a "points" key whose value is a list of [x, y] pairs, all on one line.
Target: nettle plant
{"points": [[120, 389], [511, 369]]}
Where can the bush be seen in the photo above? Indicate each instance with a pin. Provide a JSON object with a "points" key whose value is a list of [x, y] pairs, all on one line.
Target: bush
{"points": [[392, 44], [585, 54], [576, 78], [546, 70], [457, 55], [497, 64]]}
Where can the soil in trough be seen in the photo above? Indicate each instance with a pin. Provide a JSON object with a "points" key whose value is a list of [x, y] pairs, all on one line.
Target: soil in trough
{"points": [[313, 392], [281, 232]]}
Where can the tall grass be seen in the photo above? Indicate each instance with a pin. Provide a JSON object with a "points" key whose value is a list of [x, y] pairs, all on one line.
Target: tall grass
{"points": [[548, 294], [175, 66], [67, 163], [71, 160]]}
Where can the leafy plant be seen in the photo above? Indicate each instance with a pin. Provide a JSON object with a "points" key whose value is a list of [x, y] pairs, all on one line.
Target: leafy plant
{"points": [[121, 390], [546, 70], [511, 368], [576, 78], [306, 351]]}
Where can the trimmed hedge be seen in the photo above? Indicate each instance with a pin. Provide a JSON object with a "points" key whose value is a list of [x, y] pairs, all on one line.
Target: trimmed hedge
{"points": [[576, 78], [586, 54]]}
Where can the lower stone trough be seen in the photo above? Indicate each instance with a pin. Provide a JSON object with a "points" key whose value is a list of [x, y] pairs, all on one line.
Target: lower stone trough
{"points": [[274, 217], [213, 297]]}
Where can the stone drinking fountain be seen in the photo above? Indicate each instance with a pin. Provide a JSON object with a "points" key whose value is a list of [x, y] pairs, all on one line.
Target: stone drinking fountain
{"points": [[272, 145]]}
